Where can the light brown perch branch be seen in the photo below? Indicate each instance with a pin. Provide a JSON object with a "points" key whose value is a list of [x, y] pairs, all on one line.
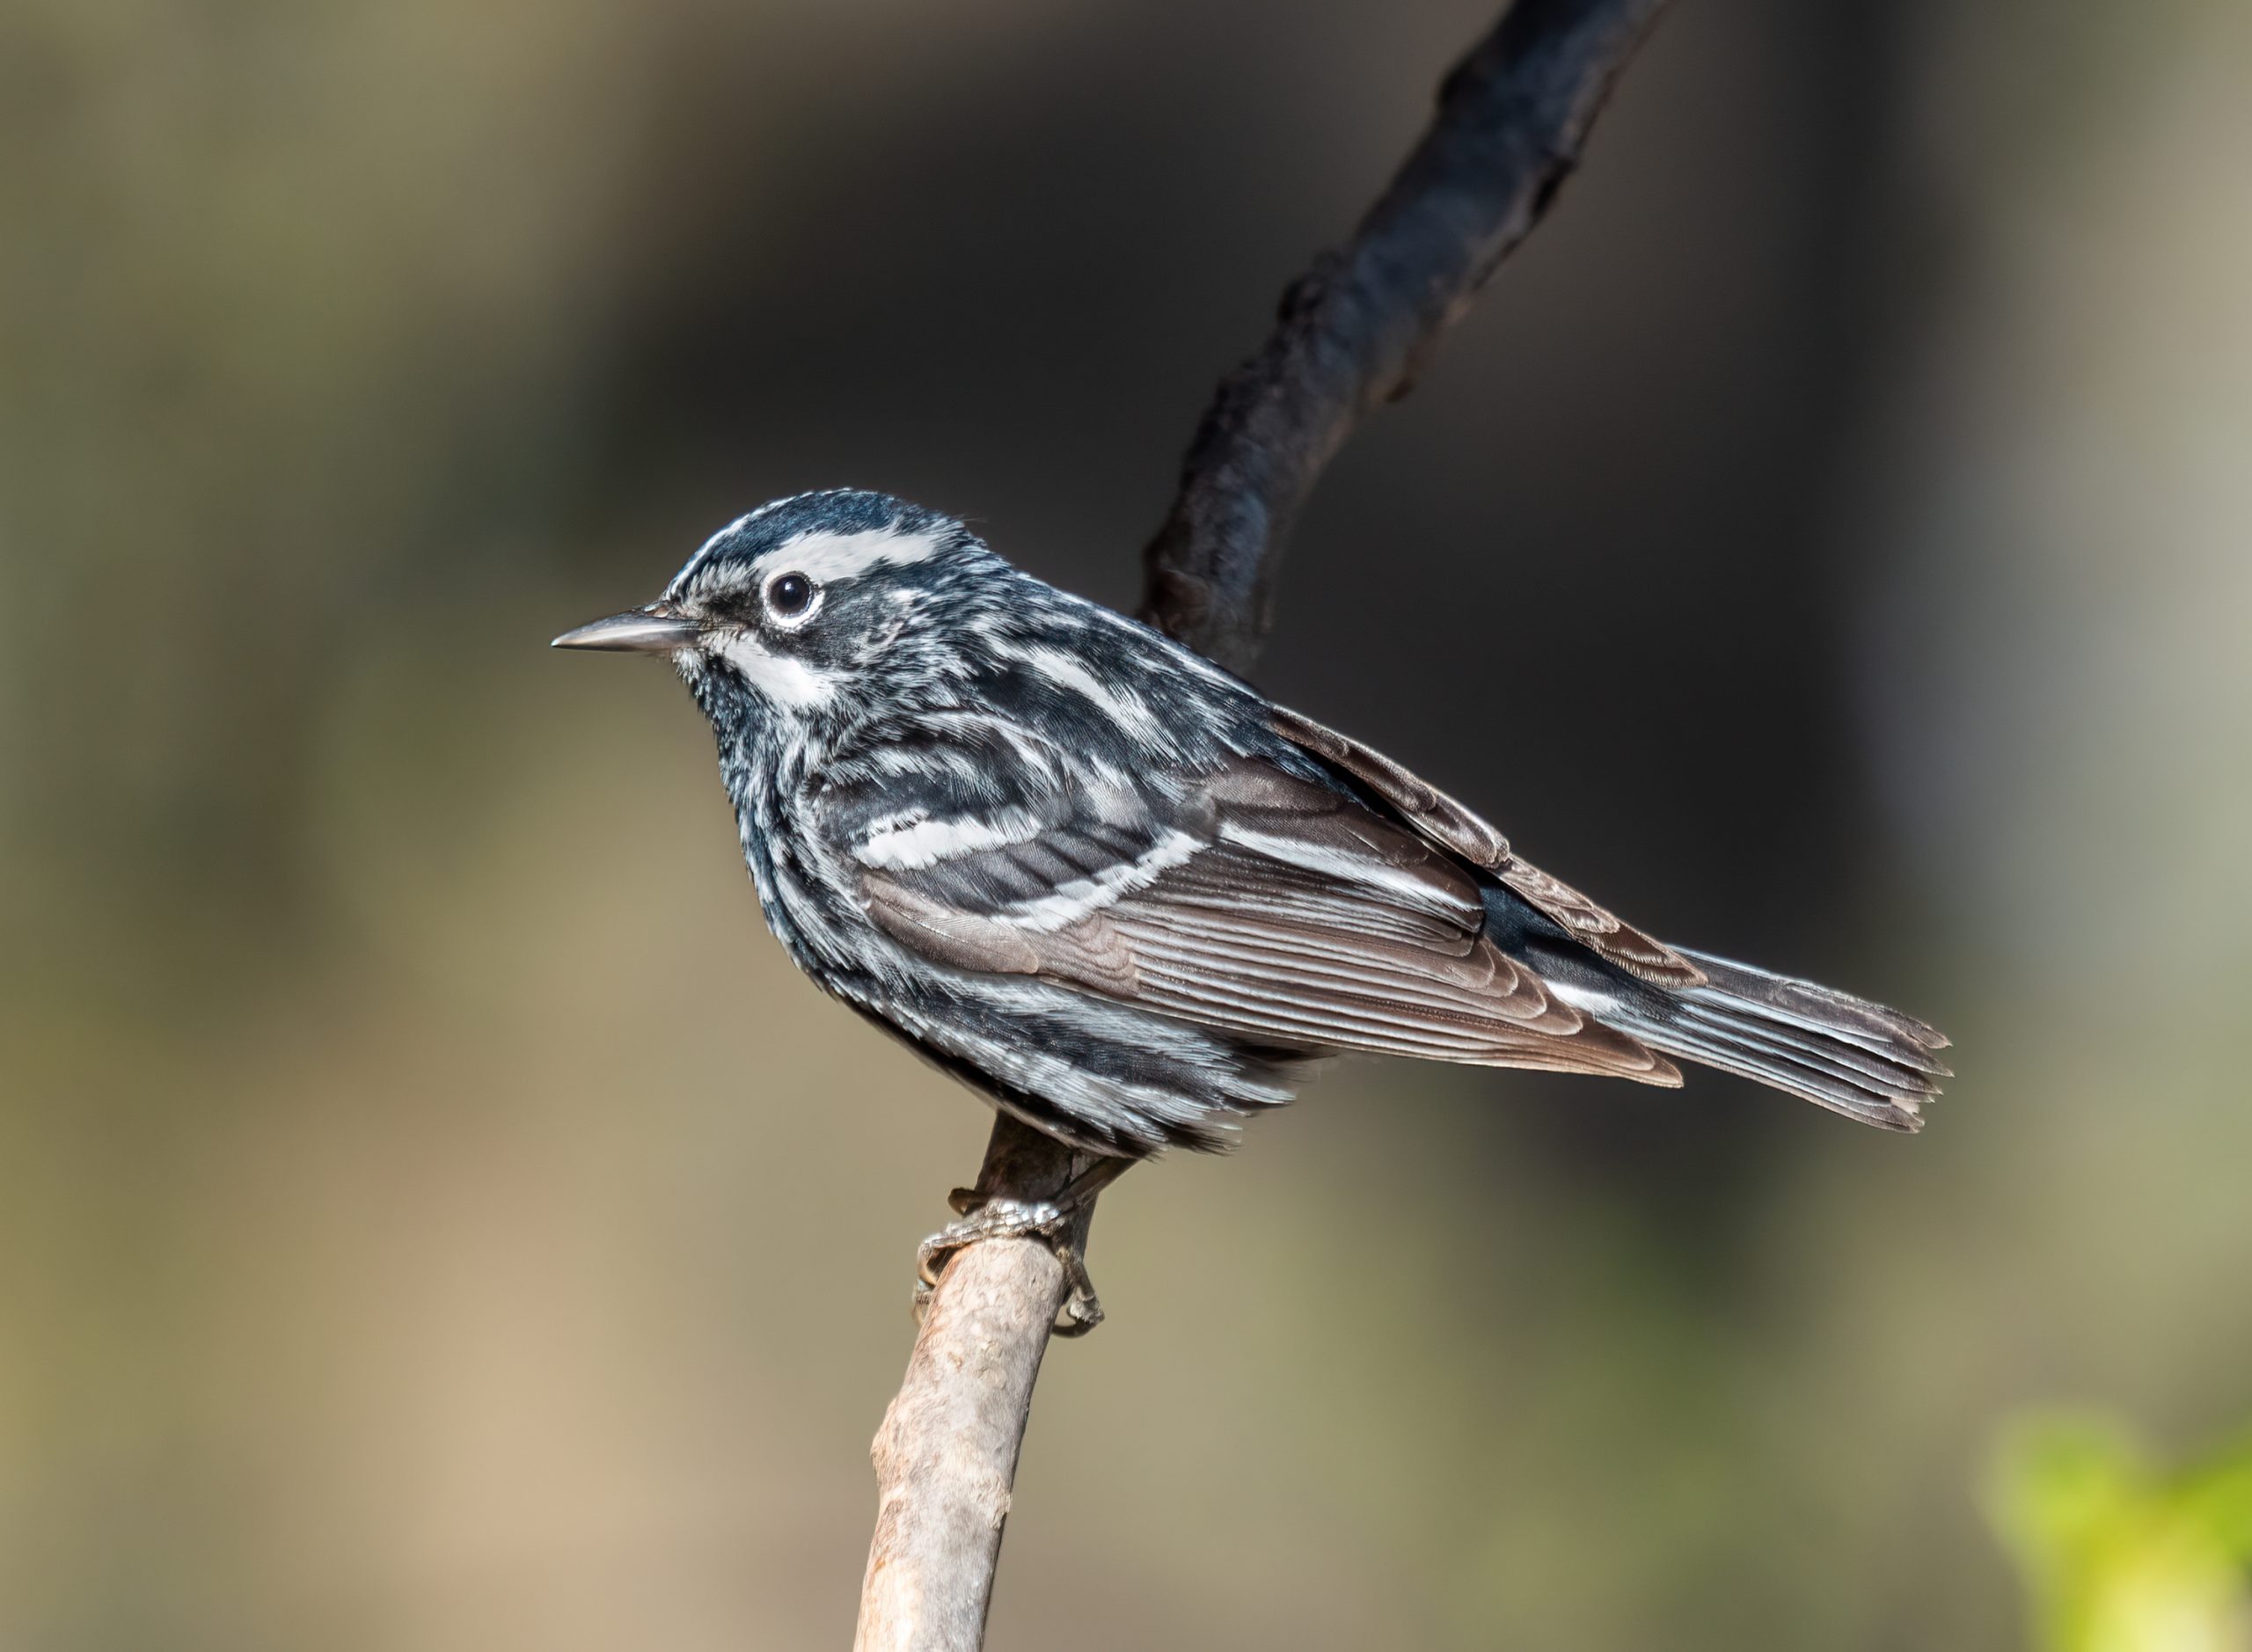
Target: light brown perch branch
{"points": [[946, 1454], [1352, 332]]}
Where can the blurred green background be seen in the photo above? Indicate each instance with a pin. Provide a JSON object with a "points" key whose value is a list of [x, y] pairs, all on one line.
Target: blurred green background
{"points": [[419, 1220]]}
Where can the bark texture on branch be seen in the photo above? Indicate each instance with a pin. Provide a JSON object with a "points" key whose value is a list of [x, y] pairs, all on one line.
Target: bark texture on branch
{"points": [[1351, 335], [946, 1457], [1355, 329]]}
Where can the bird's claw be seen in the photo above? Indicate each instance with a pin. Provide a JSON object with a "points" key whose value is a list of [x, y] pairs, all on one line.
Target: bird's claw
{"points": [[989, 1218]]}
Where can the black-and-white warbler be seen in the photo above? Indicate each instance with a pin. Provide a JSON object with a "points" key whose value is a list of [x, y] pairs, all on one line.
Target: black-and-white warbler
{"points": [[1126, 897]]}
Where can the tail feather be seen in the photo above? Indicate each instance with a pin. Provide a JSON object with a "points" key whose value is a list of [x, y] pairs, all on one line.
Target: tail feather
{"points": [[1826, 1010], [1835, 1050], [1843, 1059]]}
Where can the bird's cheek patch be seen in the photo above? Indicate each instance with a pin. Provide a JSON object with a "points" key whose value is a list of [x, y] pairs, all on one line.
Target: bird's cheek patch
{"points": [[783, 678]]}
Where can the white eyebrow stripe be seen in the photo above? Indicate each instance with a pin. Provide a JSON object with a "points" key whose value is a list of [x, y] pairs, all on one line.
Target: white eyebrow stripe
{"points": [[822, 556], [819, 553]]}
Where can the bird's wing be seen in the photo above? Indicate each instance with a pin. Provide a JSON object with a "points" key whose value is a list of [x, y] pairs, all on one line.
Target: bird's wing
{"points": [[1266, 905], [1444, 822]]}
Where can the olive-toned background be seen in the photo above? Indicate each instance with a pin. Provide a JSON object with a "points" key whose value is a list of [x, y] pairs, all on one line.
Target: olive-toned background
{"points": [[434, 1216]]}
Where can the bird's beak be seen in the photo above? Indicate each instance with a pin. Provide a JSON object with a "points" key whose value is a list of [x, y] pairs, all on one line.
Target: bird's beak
{"points": [[657, 629]]}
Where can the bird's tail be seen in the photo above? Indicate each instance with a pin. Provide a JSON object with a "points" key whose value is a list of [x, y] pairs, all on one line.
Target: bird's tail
{"points": [[1837, 1051]]}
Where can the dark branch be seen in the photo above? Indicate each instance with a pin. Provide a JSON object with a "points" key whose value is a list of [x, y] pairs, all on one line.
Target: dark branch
{"points": [[1355, 329]]}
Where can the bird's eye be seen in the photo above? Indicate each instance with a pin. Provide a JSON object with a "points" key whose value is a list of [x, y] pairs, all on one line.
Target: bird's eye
{"points": [[788, 595]]}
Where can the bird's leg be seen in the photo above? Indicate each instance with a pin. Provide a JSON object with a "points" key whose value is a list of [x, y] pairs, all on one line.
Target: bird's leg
{"points": [[1056, 1222]]}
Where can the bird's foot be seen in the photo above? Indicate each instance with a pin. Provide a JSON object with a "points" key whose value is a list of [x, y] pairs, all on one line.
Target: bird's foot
{"points": [[984, 1217]]}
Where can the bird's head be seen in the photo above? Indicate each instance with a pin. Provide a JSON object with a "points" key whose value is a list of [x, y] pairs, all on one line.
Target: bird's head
{"points": [[812, 607]]}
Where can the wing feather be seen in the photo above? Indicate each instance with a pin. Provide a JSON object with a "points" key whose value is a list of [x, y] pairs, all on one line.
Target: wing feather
{"points": [[1429, 810], [1263, 904], [1449, 823]]}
